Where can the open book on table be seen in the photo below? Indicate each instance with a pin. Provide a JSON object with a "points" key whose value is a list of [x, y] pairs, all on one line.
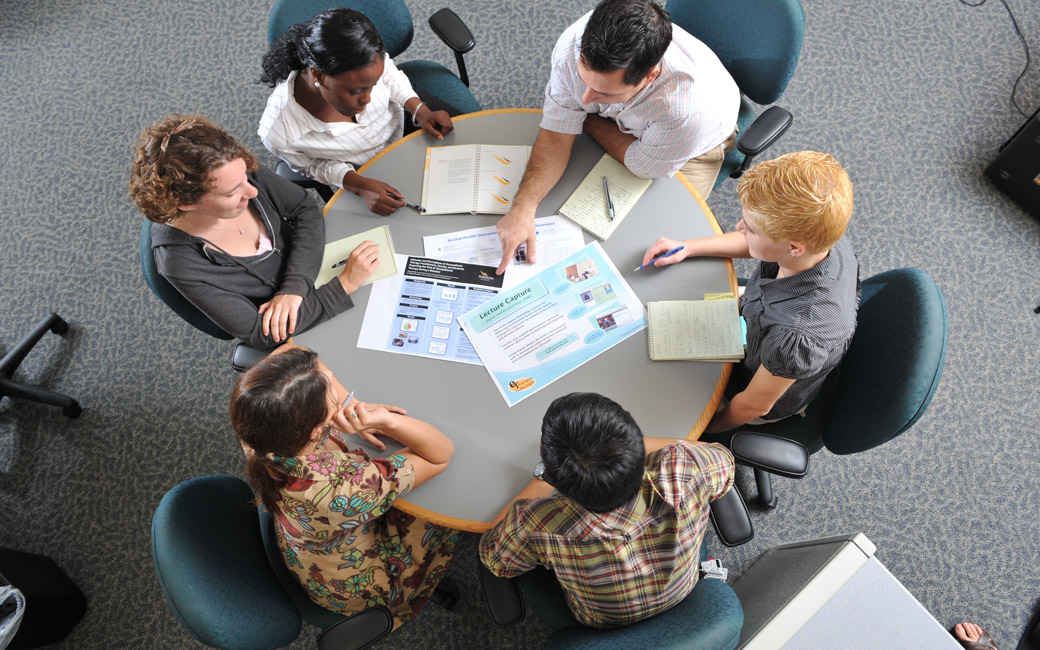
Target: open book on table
{"points": [[476, 178]]}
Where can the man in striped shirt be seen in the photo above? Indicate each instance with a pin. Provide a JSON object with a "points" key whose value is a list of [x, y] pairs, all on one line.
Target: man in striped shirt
{"points": [[617, 517], [653, 96]]}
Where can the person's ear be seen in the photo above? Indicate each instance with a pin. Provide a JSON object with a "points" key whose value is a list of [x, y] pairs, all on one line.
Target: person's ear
{"points": [[797, 249], [188, 207], [317, 77], [653, 74]]}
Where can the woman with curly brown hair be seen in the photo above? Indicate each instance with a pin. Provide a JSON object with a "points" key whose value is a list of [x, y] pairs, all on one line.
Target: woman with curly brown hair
{"points": [[239, 242], [332, 504]]}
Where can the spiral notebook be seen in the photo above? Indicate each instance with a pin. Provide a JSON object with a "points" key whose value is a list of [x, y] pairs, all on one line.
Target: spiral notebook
{"points": [[474, 178], [587, 205], [339, 250], [696, 330]]}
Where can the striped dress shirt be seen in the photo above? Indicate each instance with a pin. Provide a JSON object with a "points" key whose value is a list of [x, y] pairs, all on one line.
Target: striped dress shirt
{"points": [[326, 151], [631, 563], [799, 327], [690, 108]]}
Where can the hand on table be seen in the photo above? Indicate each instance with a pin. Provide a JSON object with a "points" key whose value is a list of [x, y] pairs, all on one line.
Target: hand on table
{"points": [[663, 245], [361, 264], [380, 197], [365, 420], [436, 123], [515, 228], [279, 316]]}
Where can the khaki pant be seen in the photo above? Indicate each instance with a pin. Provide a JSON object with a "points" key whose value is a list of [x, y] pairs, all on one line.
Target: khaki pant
{"points": [[704, 169]]}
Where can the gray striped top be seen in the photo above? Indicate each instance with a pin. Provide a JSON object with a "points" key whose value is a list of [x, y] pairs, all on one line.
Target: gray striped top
{"points": [[799, 327]]}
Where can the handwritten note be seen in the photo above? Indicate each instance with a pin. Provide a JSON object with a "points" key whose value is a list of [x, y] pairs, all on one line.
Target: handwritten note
{"points": [[702, 330], [587, 206], [340, 250]]}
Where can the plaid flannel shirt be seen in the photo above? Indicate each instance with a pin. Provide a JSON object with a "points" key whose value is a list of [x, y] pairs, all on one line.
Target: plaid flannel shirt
{"points": [[631, 563]]}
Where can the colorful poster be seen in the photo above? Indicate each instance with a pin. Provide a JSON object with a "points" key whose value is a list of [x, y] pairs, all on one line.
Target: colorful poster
{"points": [[416, 313], [538, 331]]}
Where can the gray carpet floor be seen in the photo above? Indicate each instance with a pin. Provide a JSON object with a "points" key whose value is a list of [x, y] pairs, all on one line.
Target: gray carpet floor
{"points": [[912, 96]]}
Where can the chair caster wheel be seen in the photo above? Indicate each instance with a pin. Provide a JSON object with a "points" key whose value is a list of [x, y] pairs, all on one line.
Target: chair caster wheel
{"points": [[72, 411]]}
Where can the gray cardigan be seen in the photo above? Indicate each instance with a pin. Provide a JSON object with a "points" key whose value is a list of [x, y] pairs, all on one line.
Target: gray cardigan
{"points": [[230, 289]]}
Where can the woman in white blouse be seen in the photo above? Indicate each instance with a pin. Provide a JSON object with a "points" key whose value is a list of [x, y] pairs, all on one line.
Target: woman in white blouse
{"points": [[339, 100]]}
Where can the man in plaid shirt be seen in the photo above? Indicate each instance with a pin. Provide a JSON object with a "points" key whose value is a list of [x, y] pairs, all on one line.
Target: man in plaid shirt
{"points": [[617, 517]]}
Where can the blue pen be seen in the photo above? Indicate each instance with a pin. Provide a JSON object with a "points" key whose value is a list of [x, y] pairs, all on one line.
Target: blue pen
{"points": [[668, 254]]}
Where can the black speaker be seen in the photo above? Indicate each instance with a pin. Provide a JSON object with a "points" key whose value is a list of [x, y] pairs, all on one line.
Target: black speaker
{"points": [[1016, 169]]}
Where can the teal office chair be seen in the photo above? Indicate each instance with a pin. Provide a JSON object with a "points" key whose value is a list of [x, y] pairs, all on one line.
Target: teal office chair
{"points": [[759, 42], [244, 354], [223, 577], [394, 23], [882, 387]]}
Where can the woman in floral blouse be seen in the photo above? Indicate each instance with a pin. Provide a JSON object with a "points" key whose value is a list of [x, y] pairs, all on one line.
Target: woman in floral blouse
{"points": [[332, 504]]}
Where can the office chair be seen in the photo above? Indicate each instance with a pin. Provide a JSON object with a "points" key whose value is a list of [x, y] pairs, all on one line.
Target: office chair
{"points": [[884, 383], [243, 356], [759, 42], [221, 578], [709, 618], [394, 23], [70, 408]]}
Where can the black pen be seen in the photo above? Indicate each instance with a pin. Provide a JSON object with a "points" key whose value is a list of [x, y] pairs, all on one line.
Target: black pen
{"points": [[415, 206], [342, 262]]}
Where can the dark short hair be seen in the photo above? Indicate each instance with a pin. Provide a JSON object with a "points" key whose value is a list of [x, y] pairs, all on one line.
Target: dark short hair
{"points": [[626, 34], [593, 451], [333, 42]]}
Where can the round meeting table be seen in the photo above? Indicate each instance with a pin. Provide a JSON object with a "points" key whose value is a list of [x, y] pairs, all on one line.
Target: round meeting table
{"points": [[496, 446]]}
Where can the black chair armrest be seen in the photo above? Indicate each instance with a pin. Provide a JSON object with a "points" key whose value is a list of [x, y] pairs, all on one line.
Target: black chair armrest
{"points": [[447, 25], [731, 520], [764, 131], [246, 355], [502, 597], [773, 454], [359, 631]]}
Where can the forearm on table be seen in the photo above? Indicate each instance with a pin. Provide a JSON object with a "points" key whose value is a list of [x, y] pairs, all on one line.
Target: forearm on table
{"points": [[536, 489], [731, 245], [549, 157], [421, 438], [607, 135]]}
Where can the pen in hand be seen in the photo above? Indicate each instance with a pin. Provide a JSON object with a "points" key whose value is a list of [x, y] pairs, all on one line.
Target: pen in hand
{"points": [[662, 255], [610, 204], [415, 206], [342, 262]]}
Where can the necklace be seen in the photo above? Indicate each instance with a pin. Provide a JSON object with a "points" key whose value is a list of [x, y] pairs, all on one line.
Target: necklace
{"points": [[237, 228]]}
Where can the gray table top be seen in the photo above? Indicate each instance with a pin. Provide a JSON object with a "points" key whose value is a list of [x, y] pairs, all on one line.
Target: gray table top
{"points": [[496, 447]]}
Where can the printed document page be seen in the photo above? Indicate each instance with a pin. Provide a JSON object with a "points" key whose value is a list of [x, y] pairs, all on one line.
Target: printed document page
{"points": [[338, 251], [415, 313], [538, 331], [475, 178], [557, 238], [587, 206]]}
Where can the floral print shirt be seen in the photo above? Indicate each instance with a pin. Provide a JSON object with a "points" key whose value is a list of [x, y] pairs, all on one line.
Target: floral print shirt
{"points": [[345, 543]]}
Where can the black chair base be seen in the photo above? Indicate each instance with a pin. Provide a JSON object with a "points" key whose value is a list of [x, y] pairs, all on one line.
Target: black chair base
{"points": [[70, 408]]}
